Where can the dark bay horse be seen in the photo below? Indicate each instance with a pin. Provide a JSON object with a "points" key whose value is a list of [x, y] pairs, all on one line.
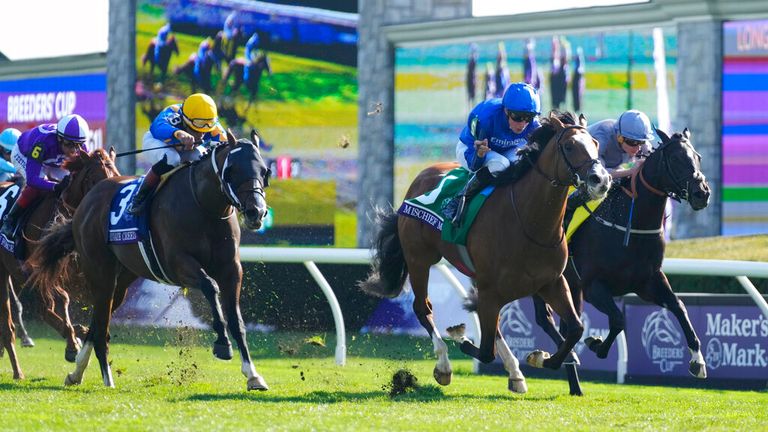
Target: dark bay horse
{"points": [[237, 69], [516, 244], [196, 238], [163, 57], [602, 267], [202, 78], [85, 172]]}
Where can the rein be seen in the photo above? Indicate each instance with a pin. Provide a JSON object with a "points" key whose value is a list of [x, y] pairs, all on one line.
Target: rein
{"points": [[199, 204]]}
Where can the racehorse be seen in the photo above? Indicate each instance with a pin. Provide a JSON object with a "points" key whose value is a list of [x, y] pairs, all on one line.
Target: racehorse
{"points": [[237, 69], [516, 244], [85, 172], [196, 239], [163, 57], [604, 267], [202, 77], [228, 48]]}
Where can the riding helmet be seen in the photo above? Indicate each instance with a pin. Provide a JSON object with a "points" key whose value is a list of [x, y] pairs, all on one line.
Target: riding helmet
{"points": [[199, 112], [9, 137], [521, 97], [634, 125], [72, 127]]}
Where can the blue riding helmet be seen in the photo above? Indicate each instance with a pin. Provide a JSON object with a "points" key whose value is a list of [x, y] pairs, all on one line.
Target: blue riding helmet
{"points": [[634, 125], [521, 97], [9, 138]]}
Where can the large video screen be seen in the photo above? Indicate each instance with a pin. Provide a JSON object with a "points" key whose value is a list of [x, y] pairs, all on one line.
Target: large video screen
{"points": [[297, 87], [745, 127], [599, 74]]}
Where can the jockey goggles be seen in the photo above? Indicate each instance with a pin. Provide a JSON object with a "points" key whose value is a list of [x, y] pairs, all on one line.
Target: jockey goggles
{"points": [[520, 117], [201, 123], [632, 143]]}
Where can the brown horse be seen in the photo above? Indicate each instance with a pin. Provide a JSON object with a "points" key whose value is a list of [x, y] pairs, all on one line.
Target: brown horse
{"points": [[516, 244], [196, 238], [86, 171]]}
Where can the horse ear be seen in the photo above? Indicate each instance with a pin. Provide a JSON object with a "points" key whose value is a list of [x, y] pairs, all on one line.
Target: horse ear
{"points": [[582, 120], [664, 137], [554, 121], [231, 138], [255, 139], [112, 152], [687, 134]]}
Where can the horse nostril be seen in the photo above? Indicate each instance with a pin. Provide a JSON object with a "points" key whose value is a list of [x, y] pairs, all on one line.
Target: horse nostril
{"points": [[594, 179]]}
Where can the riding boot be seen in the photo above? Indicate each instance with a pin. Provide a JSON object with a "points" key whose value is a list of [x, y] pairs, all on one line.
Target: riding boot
{"points": [[151, 180], [476, 183], [9, 224], [575, 200]]}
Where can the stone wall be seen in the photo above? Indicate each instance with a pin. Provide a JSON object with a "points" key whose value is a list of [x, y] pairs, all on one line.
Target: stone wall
{"points": [[375, 75], [699, 108]]}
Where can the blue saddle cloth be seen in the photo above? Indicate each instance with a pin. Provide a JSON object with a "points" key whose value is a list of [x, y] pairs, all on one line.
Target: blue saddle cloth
{"points": [[123, 227]]}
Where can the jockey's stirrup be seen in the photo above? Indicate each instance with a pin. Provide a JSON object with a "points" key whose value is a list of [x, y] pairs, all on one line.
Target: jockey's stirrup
{"points": [[475, 184]]}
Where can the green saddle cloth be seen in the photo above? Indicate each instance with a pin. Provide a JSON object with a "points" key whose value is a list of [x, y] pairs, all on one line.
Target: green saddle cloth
{"points": [[437, 207]]}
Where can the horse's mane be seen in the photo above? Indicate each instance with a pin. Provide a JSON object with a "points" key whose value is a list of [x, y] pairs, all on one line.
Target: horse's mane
{"points": [[77, 164], [537, 142]]}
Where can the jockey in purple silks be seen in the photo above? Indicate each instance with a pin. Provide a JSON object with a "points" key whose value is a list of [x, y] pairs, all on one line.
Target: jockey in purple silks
{"points": [[39, 155], [495, 130]]}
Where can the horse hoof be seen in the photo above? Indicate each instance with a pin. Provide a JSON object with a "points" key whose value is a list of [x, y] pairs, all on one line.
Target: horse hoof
{"points": [[257, 383], [70, 380], [517, 385], [536, 358], [699, 370], [577, 393], [27, 342], [593, 343], [70, 355], [442, 378], [222, 351], [456, 332]]}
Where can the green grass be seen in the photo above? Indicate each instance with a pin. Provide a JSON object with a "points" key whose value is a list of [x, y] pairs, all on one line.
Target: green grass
{"points": [[177, 385], [744, 248]]}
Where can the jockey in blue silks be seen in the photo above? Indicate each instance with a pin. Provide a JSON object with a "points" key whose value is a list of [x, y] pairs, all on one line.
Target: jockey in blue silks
{"points": [[203, 50], [495, 130], [161, 40], [251, 47], [623, 142]]}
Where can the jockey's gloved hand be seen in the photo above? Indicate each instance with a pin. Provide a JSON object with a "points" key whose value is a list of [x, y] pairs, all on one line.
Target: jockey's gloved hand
{"points": [[60, 186]]}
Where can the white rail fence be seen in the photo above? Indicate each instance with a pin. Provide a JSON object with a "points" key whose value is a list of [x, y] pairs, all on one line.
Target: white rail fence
{"points": [[310, 257]]}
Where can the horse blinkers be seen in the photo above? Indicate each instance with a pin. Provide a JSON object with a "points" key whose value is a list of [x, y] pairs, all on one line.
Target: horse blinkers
{"points": [[246, 176]]}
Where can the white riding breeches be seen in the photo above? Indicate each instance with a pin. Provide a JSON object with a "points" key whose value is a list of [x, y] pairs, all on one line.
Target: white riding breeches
{"points": [[496, 162], [174, 157], [20, 162]]}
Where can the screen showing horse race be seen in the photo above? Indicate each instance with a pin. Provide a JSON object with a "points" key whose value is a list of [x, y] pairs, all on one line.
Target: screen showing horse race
{"points": [[745, 127], [600, 74], [289, 72]]}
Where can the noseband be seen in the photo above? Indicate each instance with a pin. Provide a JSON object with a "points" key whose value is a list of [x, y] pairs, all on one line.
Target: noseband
{"points": [[226, 188], [680, 186], [575, 179]]}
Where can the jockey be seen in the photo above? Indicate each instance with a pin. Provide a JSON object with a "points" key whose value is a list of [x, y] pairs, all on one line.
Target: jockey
{"points": [[251, 47], [205, 47], [184, 125], [622, 143], [161, 40], [229, 26], [8, 140], [495, 130], [38, 156]]}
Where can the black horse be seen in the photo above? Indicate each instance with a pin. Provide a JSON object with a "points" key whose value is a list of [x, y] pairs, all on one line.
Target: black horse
{"points": [[163, 57], [607, 262], [238, 68]]}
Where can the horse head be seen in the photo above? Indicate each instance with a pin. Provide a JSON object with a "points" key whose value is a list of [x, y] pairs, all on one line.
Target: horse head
{"points": [[676, 167], [246, 175], [572, 152], [85, 171]]}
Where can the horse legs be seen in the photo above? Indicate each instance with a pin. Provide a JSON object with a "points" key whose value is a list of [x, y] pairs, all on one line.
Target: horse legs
{"points": [[62, 325], [488, 313], [7, 333], [601, 298], [17, 310], [545, 320], [558, 296], [422, 307], [230, 295], [103, 286], [516, 382], [660, 292]]}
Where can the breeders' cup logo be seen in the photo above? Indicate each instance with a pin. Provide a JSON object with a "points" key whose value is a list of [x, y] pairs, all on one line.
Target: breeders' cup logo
{"points": [[714, 355], [517, 329], [661, 341]]}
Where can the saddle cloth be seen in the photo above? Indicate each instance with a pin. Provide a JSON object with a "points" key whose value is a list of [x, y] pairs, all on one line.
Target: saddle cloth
{"points": [[432, 206]]}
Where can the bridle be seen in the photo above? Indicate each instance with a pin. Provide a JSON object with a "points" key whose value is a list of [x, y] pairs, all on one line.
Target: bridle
{"points": [[574, 177], [680, 188], [226, 188]]}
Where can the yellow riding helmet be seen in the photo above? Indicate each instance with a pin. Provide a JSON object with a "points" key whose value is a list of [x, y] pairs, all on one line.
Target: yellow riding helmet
{"points": [[199, 112]]}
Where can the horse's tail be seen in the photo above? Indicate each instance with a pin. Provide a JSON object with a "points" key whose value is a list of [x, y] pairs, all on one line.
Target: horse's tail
{"points": [[388, 268], [50, 260]]}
